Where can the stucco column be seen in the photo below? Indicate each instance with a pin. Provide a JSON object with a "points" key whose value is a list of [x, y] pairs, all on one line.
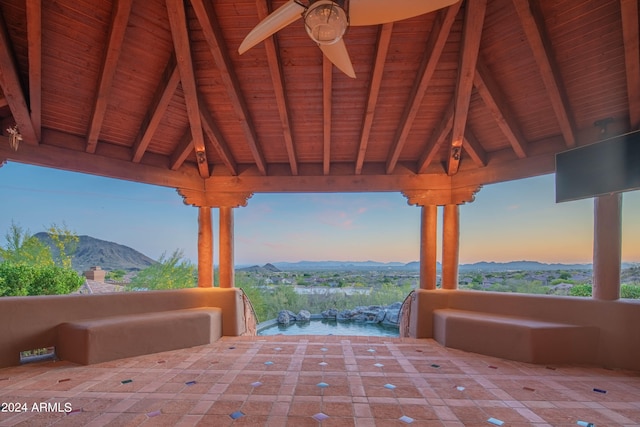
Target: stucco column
{"points": [[205, 248], [226, 247], [607, 246], [428, 246], [450, 246]]}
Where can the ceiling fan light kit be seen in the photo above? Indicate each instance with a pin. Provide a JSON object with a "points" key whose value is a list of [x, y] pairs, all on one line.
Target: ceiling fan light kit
{"points": [[325, 22]]}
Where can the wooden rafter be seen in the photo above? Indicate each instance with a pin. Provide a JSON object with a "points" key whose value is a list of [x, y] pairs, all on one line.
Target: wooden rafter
{"points": [[180, 34], [34, 39], [277, 79], [327, 80], [119, 20], [473, 148], [433, 50], [3, 101], [495, 101], [437, 138], [382, 46], [630, 34], [534, 28], [217, 139], [470, 46], [182, 151], [165, 91], [213, 35], [10, 83]]}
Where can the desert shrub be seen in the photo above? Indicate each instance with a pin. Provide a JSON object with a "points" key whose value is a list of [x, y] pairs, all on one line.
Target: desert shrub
{"points": [[630, 291], [174, 272], [23, 280], [583, 290]]}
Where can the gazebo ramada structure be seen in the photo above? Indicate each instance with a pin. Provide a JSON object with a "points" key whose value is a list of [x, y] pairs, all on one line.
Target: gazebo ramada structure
{"points": [[479, 92]]}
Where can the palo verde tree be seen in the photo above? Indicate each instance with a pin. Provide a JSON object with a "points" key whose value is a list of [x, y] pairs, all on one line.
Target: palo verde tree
{"points": [[174, 272]]}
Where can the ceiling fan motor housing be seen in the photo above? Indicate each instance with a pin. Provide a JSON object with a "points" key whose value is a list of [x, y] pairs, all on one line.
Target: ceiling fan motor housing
{"points": [[326, 22]]}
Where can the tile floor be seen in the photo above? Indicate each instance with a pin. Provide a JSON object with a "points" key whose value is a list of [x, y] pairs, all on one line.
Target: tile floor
{"points": [[317, 381]]}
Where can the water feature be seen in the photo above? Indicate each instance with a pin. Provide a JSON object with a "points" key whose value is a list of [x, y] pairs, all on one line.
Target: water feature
{"points": [[328, 327]]}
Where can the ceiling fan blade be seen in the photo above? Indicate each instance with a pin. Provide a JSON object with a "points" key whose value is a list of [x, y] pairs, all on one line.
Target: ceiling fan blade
{"points": [[374, 12], [277, 20], [338, 55]]}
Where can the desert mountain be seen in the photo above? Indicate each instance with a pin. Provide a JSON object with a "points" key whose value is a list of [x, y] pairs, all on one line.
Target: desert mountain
{"points": [[108, 255]]}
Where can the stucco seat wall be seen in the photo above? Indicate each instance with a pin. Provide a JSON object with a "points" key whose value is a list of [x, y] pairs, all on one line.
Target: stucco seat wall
{"points": [[110, 338], [28, 323], [614, 323]]}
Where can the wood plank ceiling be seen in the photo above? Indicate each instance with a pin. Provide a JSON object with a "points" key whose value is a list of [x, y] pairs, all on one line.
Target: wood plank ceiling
{"points": [[155, 91]]}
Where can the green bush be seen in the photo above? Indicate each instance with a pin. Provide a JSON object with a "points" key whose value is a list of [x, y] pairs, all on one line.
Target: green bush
{"points": [[23, 280], [174, 272], [583, 290], [630, 291]]}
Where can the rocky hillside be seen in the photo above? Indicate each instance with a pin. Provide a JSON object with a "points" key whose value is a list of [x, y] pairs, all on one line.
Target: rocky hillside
{"points": [[108, 255]]}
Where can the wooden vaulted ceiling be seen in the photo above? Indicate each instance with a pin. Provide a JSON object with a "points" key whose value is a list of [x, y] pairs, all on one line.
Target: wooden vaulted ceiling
{"points": [[155, 91]]}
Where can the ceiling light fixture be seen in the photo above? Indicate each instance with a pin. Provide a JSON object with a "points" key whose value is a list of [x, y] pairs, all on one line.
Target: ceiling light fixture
{"points": [[326, 22], [14, 137]]}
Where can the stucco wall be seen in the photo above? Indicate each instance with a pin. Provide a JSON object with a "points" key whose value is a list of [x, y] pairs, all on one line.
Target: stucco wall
{"points": [[618, 321], [27, 323]]}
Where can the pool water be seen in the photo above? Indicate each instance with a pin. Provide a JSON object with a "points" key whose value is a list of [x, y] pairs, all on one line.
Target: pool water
{"points": [[330, 327]]}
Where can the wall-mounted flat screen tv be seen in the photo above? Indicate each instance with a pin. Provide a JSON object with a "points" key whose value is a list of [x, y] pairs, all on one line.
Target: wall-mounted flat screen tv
{"points": [[608, 166]]}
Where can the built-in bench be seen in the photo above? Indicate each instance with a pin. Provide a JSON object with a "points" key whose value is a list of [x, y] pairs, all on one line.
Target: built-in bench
{"points": [[100, 340], [516, 338]]}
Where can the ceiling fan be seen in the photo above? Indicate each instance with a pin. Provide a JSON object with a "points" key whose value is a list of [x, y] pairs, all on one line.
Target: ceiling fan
{"points": [[327, 20]]}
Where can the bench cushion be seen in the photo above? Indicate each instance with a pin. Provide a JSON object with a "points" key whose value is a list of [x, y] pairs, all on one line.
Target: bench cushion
{"points": [[515, 338], [99, 340]]}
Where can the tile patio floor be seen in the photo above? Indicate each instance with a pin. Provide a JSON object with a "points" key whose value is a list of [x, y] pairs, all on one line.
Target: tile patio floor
{"points": [[299, 380]]}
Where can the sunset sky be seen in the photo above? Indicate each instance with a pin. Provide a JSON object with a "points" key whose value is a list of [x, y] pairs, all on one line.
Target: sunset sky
{"points": [[517, 220]]}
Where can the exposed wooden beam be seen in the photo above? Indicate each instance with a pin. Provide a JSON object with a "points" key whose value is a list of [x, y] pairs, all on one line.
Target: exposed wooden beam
{"points": [[470, 46], [3, 101], [277, 80], [433, 50], [217, 139], [494, 99], [165, 91], [182, 45], [473, 148], [182, 151], [34, 41], [119, 20], [215, 40], [630, 34], [382, 46], [327, 80], [12, 89], [51, 154], [535, 30], [436, 139]]}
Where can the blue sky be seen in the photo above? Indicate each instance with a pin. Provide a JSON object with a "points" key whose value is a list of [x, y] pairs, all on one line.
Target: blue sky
{"points": [[509, 221]]}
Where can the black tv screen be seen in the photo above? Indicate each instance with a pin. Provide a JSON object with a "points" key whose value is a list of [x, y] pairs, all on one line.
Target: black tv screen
{"points": [[608, 166]]}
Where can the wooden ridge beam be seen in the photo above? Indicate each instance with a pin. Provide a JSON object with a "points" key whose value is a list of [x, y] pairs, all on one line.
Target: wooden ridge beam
{"points": [[382, 46], [277, 80], [327, 87], [217, 139], [630, 35], [493, 98], [435, 45], [215, 40], [436, 139], [161, 100], [469, 49], [182, 45], [12, 89], [119, 20], [535, 31], [34, 43]]}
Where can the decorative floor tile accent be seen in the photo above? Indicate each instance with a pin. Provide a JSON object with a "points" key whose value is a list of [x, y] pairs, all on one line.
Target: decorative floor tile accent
{"points": [[324, 349], [406, 420], [599, 390], [433, 365], [320, 417], [323, 364], [371, 350], [585, 424], [153, 414], [460, 388], [495, 421], [269, 363], [126, 381], [236, 415], [190, 382], [278, 349], [256, 384], [390, 386], [378, 365], [322, 385]]}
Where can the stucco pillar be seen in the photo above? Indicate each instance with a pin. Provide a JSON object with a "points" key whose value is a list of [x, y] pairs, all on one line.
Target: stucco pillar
{"points": [[450, 246], [226, 247], [205, 248], [607, 246], [428, 246]]}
